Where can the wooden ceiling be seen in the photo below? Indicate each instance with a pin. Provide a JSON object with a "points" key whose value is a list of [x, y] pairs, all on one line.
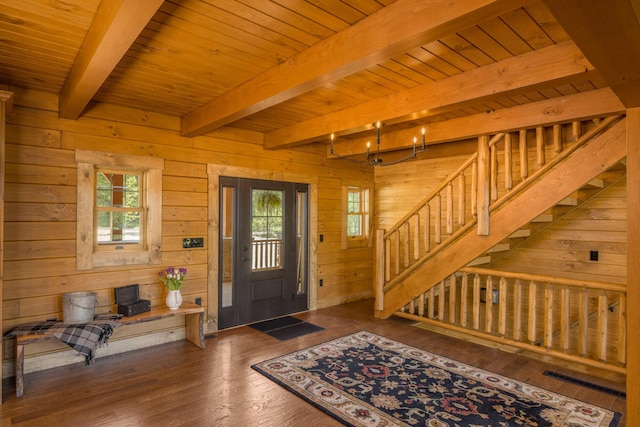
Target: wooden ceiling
{"points": [[298, 70]]}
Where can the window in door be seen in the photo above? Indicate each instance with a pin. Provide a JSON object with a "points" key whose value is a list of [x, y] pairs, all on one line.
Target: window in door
{"points": [[267, 235]]}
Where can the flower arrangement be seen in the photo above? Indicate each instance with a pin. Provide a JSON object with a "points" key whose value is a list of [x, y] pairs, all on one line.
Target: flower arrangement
{"points": [[172, 277]]}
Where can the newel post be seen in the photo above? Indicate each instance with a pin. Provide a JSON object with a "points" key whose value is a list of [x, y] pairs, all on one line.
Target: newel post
{"points": [[484, 181], [378, 277]]}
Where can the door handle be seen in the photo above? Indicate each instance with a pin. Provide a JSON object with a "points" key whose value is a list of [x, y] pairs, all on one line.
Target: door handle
{"points": [[244, 258]]}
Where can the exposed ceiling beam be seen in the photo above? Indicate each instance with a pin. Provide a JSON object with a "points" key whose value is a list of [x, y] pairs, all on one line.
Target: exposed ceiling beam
{"points": [[581, 106], [115, 27], [608, 33], [401, 26], [529, 70]]}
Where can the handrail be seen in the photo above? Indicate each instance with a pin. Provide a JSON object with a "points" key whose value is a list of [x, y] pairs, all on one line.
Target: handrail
{"points": [[431, 195], [546, 279], [575, 320], [412, 234]]}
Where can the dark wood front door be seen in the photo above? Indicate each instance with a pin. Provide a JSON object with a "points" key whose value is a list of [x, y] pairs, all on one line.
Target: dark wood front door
{"points": [[263, 263]]}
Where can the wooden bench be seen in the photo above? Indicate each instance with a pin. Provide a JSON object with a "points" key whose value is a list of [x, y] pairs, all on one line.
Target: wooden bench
{"points": [[193, 320]]}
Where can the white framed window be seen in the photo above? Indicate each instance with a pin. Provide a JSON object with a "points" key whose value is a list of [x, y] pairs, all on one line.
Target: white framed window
{"points": [[356, 209], [119, 213]]}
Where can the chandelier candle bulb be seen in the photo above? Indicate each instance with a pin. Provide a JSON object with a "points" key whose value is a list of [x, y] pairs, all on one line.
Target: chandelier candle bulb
{"points": [[373, 158]]}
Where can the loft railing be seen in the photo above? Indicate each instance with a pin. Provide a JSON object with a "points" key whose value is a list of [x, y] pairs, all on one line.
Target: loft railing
{"points": [[465, 199], [578, 321]]}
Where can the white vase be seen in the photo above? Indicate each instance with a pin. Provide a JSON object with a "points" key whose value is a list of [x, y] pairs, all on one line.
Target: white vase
{"points": [[174, 299]]}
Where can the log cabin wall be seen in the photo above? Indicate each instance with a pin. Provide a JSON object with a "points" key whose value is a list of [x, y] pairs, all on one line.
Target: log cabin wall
{"points": [[563, 248], [40, 263]]}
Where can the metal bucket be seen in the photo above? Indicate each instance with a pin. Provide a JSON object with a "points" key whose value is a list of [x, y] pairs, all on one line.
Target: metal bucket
{"points": [[78, 307]]}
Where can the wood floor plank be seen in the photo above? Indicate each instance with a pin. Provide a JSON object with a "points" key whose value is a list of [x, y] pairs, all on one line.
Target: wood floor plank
{"points": [[179, 384]]}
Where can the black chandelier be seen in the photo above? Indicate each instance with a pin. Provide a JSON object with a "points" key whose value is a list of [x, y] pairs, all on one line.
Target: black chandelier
{"points": [[373, 159]]}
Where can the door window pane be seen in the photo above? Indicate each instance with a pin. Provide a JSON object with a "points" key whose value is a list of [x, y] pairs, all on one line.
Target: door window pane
{"points": [[267, 218]]}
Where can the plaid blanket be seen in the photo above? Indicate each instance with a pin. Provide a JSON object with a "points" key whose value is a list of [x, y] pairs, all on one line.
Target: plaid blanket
{"points": [[84, 338]]}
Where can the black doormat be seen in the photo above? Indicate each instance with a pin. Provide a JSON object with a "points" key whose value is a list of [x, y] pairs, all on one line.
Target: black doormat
{"points": [[280, 322], [286, 328]]}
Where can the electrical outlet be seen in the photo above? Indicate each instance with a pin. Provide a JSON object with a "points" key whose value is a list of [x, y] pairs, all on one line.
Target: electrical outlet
{"points": [[199, 301], [593, 255], [321, 283]]}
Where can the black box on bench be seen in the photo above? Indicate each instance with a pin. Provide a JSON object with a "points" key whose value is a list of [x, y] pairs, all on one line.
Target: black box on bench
{"points": [[129, 302]]}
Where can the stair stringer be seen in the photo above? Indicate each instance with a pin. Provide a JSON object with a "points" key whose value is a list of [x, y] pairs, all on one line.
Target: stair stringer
{"points": [[563, 213], [540, 194], [550, 217]]}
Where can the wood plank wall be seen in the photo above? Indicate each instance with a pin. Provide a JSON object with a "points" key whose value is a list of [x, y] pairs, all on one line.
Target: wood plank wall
{"points": [[562, 250], [40, 209]]}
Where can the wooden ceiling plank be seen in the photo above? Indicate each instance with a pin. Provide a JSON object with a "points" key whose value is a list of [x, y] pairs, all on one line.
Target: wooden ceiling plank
{"points": [[310, 11], [414, 68], [468, 50], [405, 74], [387, 78], [116, 26], [557, 62], [504, 35], [543, 17], [608, 33], [342, 10], [417, 56], [528, 29], [583, 106], [350, 50], [451, 56], [257, 16], [211, 27], [279, 12], [48, 19], [366, 6]]}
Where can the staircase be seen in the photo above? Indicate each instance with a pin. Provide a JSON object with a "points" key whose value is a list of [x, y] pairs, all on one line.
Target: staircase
{"points": [[494, 198], [544, 220]]}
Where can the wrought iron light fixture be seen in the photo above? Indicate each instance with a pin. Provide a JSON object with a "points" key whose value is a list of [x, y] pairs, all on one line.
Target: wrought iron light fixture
{"points": [[373, 159]]}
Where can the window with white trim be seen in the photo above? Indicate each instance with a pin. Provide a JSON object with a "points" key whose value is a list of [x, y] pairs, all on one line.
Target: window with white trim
{"points": [[356, 208], [119, 209]]}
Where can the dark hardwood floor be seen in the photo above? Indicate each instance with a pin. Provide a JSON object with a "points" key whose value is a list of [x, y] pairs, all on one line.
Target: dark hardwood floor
{"points": [[178, 384]]}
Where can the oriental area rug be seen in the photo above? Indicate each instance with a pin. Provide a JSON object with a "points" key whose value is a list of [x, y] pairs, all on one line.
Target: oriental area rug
{"points": [[367, 380]]}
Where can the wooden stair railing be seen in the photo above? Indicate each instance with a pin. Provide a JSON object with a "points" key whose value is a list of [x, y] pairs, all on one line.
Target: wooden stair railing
{"points": [[466, 200], [544, 221], [578, 321]]}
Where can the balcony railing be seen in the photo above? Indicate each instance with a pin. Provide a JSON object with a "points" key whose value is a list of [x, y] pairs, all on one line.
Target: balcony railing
{"points": [[266, 254]]}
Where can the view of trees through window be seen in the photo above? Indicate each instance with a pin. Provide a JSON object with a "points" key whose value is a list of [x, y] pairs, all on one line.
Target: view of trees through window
{"points": [[118, 207], [354, 213], [267, 214], [267, 221]]}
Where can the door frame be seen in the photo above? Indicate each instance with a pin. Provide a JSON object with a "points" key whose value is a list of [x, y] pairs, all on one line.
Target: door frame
{"points": [[213, 229]]}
